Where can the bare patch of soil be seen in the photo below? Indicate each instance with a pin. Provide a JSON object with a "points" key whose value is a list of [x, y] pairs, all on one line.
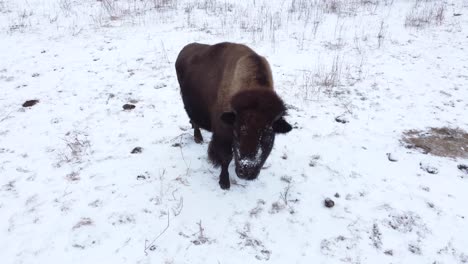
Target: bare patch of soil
{"points": [[443, 141]]}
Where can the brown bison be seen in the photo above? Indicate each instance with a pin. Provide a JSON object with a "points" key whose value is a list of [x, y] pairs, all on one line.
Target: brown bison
{"points": [[227, 89]]}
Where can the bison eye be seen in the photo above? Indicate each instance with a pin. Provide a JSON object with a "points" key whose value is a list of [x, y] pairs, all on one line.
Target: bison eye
{"points": [[228, 118]]}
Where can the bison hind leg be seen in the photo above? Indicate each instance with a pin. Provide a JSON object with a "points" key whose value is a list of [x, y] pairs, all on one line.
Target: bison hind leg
{"points": [[197, 133]]}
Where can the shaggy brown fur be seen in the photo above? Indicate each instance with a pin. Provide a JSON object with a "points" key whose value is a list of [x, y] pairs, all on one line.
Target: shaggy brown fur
{"points": [[228, 89]]}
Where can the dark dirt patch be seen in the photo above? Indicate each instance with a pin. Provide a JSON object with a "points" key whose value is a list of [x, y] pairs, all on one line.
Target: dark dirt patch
{"points": [[137, 150], [443, 141], [128, 106], [30, 103], [463, 168]]}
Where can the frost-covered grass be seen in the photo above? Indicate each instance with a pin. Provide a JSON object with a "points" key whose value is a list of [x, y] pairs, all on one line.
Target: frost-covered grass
{"points": [[356, 75]]}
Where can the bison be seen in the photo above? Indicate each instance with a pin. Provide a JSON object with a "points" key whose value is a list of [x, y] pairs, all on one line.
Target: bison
{"points": [[227, 89]]}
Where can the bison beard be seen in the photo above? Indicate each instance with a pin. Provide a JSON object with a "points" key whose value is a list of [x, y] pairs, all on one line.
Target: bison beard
{"points": [[228, 89]]}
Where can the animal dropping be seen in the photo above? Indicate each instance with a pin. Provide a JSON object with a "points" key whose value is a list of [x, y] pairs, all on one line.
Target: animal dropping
{"points": [[329, 203], [227, 89], [128, 106], [30, 103]]}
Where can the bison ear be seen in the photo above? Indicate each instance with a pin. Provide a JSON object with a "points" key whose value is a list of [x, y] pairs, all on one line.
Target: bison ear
{"points": [[281, 126], [228, 118]]}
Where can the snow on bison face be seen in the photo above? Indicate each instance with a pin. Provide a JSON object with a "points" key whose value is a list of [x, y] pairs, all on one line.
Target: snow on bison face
{"points": [[253, 138]]}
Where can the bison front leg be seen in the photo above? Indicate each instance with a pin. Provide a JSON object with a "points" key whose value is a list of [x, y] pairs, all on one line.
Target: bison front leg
{"points": [[224, 182], [220, 153]]}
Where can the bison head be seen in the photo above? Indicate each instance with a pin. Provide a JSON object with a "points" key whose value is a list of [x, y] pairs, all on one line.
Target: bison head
{"points": [[256, 117]]}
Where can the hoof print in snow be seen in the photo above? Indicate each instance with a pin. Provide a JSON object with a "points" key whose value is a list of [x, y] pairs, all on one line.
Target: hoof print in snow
{"points": [[276, 207], [83, 222], [141, 177], [128, 106], [160, 86], [337, 195], [388, 252], [265, 255], [252, 244], [30, 103], [258, 209], [136, 150], [414, 249], [429, 169], [376, 236], [313, 161], [78, 246], [121, 219], [95, 203], [329, 203], [286, 179], [35, 75], [73, 176], [336, 246], [407, 222], [341, 119], [201, 238], [392, 157], [463, 168]]}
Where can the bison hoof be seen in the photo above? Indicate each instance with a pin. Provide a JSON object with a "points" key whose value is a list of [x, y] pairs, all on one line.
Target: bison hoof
{"points": [[198, 140], [197, 136], [225, 185]]}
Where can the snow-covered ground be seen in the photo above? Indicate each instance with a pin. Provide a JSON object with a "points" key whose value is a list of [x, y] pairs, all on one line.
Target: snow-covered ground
{"points": [[356, 74]]}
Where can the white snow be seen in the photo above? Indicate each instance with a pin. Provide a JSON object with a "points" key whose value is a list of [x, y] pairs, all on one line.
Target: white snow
{"points": [[251, 162], [71, 191]]}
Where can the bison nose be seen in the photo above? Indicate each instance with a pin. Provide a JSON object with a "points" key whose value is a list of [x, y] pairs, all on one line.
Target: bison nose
{"points": [[246, 173]]}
